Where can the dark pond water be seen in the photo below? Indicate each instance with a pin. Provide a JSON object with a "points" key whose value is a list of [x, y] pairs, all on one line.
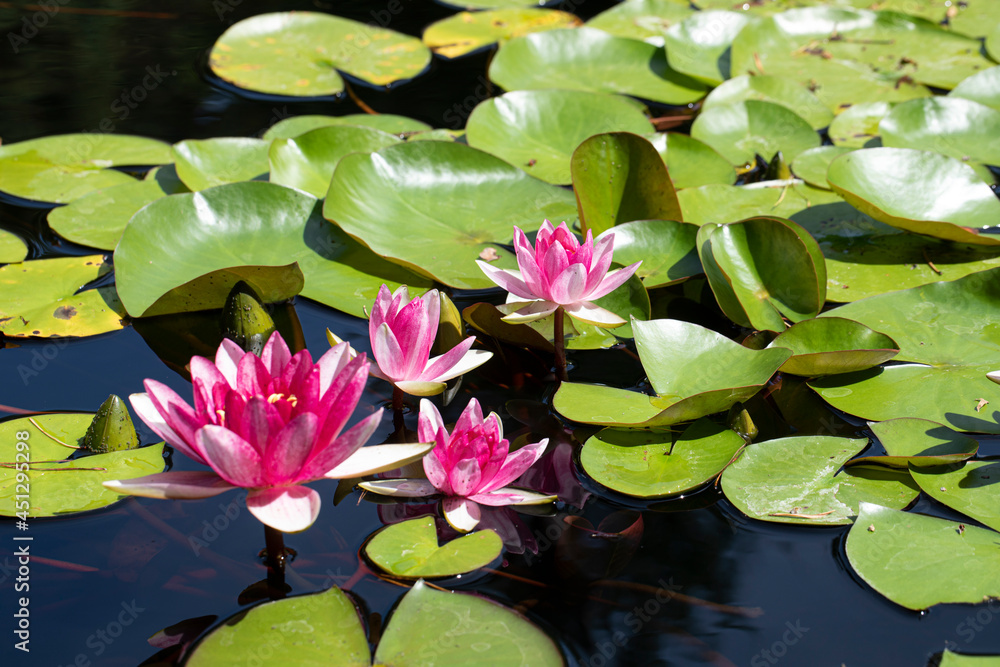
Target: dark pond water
{"points": [[104, 582]]}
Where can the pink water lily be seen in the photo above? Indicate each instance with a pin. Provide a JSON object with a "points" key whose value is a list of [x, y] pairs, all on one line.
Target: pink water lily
{"points": [[269, 424], [402, 333], [561, 271], [471, 465]]}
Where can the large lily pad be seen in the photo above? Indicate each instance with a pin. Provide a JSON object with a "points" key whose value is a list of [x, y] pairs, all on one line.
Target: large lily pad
{"points": [[918, 561], [949, 659], [741, 130], [60, 486], [302, 54], [65, 167], [209, 162], [410, 549], [296, 125], [39, 298], [593, 60], [653, 464], [763, 270], [12, 248], [968, 487], [466, 32], [538, 130], [308, 160], [694, 372], [811, 166], [461, 199], [982, 87], [911, 442], [831, 345], [858, 125], [918, 191], [776, 89], [690, 162], [799, 480], [948, 331], [952, 126], [666, 249], [647, 20], [619, 177], [699, 45]]}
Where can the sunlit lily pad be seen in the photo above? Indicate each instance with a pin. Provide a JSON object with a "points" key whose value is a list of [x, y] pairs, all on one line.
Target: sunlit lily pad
{"points": [[763, 270], [949, 659], [666, 249], [831, 345], [461, 199], [307, 161], [811, 165], [466, 32], [65, 167], [699, 45], [492, 4], [538, 130], [647, 20], [296, 125], [39, 298], [993, 43], [12, 248], [911, 442], [858, 125], [952, 126], [301, 54], [653, 464], [694, 372], [206, 163], [619, 177], [975, 18], [691, 163], [593, 60], [778, 90], [918, 191], [410, 549], [969, 488], [58, 486], [982, 87], [919, 561], [741, 130], [799, 480]]}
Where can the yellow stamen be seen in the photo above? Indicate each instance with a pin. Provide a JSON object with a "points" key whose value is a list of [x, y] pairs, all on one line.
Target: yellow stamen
{"points": [[274, 398]]}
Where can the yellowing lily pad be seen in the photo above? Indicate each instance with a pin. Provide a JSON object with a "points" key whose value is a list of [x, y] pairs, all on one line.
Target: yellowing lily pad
{"points": [[466, 32], [12, 248]]}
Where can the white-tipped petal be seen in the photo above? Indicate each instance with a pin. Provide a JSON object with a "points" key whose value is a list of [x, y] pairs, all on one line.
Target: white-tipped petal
{"points": [[290, 509], [420, 387], [593, 314], [378, 458], [994, 376], [461, 514], [470, 360], [186, 485], [535, 310], [400, 488], [510, 495]]}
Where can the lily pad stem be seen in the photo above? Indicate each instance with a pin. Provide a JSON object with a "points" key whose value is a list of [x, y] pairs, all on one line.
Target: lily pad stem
{"points": [[560, 343], [274, 541]]}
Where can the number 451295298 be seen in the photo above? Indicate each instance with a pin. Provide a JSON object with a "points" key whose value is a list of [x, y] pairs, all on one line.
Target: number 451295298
{"points": [[21, 461]]}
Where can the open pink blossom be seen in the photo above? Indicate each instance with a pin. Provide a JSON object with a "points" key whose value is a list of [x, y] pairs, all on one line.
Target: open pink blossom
{"points": [[268, 424], [561, 271], [402, 333], [472, 465]]}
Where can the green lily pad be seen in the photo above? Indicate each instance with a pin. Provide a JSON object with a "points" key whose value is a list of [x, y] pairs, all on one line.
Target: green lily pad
{"points": [[919, 561], [858, 125], [775, 89], [592, 60], [913, 443], [464, 626], [307, 161], [799, 480], [65, 167], [918, 191], [12, 248], [410, 550], [992, 43], [296, 125], [209, 162], [58, 486], [307, 630], [949, 659], [466, 32], [440, 134], [99, 218], [694, 372], [666, 249], [690, 162], [831, 345], [975, 18], [653, 464], [646, 20], [301, 54], [39, 298], [811, 165], [433, 185], [763, 270], [699, 46], [492, 4], [742, 130], [487, 319], [619, 177], [982, 87], [952, 126], [968, 487], [539, 130], [948, 333]]}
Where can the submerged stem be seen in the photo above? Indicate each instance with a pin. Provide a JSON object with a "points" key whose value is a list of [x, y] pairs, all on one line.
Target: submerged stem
{"points": [[559, 337], [397, 409], [274, 541]]}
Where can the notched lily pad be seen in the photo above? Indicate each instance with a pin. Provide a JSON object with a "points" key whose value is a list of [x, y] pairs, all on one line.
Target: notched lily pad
{"points": [[910, 442], [206, 163], [410, 550], [747, 128], [831, 345], [968, 487]]}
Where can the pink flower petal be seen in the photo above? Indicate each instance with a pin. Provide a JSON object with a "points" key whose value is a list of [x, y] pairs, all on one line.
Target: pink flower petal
{"points": [[178, 485], [329, 456], [275, 354], [430, 424], [512, 496], [289, 449], [471, 417], [515, 465], [388, 354], [593, 314], [400, 488], [378, 458], [232, 457], [464, 477], [205, 371], [568, 286], [331, 363], [227, 358], [462, 514], [436, 474], [613, 281], [289, 509], [252, 376], [436, 369], [144, 407], [260, 420], [511, 281]]}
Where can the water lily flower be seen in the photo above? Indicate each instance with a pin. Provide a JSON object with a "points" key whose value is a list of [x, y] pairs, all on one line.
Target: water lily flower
{"points": [[559, 271], [472, 465], [402, 333], [269, 424]]}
